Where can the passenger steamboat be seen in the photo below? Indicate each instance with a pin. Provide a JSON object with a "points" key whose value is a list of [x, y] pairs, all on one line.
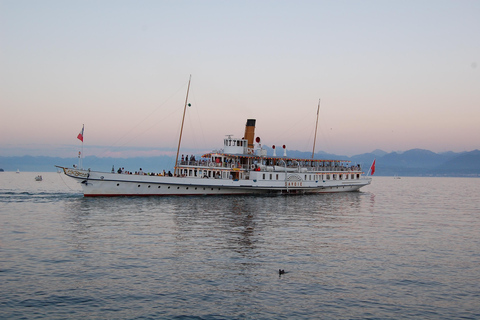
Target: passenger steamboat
{"points": [[242, 166]]}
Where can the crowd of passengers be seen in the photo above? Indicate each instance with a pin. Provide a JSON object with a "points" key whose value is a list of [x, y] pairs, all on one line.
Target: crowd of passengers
{"points": [[185, 160], [268, 162], [142, 173], [320, 166]]}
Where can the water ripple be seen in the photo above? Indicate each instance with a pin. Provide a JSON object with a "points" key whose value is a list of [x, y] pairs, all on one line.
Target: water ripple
{"points": [[393, 251]]}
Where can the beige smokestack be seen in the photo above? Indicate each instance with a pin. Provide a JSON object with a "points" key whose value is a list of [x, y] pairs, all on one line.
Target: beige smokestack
{"points": [[250, 132]]}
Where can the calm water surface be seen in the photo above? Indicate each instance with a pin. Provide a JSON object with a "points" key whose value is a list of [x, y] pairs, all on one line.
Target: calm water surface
{"points": [[401, 248]]}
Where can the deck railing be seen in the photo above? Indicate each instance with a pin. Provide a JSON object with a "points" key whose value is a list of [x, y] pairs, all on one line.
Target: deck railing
{"points": [[226, 165]]}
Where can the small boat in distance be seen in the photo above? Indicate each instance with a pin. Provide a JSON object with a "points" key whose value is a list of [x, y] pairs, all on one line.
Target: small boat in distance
{"points": [[38, 178]]}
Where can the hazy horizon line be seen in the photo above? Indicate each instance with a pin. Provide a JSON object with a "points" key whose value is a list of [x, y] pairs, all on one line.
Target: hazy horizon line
{"points": [[144, 152]]}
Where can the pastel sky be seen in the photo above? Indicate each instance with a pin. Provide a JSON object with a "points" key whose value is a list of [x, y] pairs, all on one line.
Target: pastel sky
{"points": [[391, 75]]}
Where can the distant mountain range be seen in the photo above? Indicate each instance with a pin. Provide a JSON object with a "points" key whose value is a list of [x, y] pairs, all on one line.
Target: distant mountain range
{"points": [[415, 162]]}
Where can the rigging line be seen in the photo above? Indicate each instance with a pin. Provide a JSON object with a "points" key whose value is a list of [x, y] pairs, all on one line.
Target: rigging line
{"points": [[149, 115], [192, 128], [61, 177], [190, 117], [308, 141], [199, 118], [132, 137], [316, 127], [328, 146], [139, 123], [190, 120], [147, 129], [181, 128], [292, 127]]}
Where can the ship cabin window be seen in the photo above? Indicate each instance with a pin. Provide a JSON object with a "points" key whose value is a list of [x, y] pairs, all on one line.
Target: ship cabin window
{"points": [[264, 176], [270, 176], [346, 177], [277, 176], [352, 176], [358, 176], [328, 177]]}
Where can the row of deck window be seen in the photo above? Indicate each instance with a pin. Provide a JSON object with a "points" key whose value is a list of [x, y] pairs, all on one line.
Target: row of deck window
{"points": [[265, 176], [317, 177], [214, 174]]}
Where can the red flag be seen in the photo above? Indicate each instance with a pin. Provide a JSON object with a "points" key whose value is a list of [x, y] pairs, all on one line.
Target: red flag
{"points": [[80, 135], [372, 168]]}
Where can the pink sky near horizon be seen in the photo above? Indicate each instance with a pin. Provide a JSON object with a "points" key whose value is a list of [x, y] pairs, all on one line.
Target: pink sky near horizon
{"points": [[390, 75]]}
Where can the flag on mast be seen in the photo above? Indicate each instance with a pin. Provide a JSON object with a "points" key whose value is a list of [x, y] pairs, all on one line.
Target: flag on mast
{"points": [[80, 135], [372, 168]]}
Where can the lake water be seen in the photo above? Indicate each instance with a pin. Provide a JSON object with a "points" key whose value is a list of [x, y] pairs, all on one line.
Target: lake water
{"points": [[400, 248]]}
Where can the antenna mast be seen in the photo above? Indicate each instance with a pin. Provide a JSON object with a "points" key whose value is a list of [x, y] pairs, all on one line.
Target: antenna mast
{"points": [[181, 129], [316, 126]]}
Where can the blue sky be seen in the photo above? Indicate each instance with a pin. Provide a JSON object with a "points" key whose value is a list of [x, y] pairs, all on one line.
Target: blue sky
{"points": [[391, 75]]}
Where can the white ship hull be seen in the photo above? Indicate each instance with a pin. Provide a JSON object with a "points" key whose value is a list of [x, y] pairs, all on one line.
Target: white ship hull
{"points": [[95, 184]]}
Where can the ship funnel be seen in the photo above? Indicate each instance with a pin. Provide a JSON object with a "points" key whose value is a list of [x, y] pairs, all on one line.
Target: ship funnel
{"points": [[250, 132]]}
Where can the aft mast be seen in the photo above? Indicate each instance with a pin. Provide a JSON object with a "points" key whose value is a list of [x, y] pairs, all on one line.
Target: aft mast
{"points": [[181, 129], [316, 126]]}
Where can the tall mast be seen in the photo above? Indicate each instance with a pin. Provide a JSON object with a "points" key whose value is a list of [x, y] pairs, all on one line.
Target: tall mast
{"points": [[181, 129], [316, 126]]}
